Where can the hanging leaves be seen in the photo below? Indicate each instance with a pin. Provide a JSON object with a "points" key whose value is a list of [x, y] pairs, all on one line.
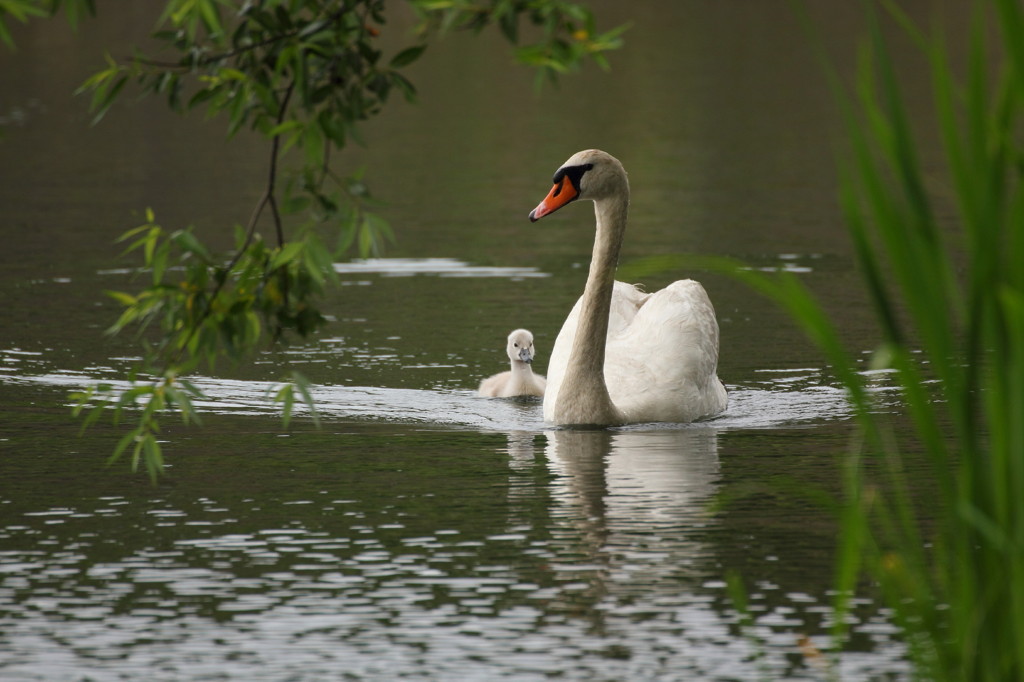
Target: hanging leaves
{"points": [[304, 74]]}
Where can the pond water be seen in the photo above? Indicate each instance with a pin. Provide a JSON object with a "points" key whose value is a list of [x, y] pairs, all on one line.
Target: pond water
{"points": [[422, 532]]}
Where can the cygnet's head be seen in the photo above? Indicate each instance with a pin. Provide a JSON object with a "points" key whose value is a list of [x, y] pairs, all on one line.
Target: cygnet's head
{"points": [[520, 346], [590, 174]]}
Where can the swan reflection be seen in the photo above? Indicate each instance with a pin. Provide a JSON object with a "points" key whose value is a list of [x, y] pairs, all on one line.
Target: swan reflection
{"points": [[633, 502], [638, 479]]}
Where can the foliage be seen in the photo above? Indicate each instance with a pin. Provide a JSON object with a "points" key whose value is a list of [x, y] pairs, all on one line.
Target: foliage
{"points": [[23, 10], [950, 303], [936, 523], [303, 74]]}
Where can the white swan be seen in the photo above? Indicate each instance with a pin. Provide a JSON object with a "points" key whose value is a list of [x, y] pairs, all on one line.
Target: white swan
{"points": [[520, 380], [624, 356]]}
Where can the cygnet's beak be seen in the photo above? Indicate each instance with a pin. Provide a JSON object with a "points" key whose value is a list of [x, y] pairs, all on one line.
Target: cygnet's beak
{"points": [[525, 355]]}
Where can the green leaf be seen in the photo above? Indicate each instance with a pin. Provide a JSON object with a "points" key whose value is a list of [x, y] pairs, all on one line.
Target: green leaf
{"points": [[152, 237], [154, 457], [238, 112], [122, 298], [131, 233], [137, 451], [286, 126], [94, 415], [123, 444], [295, 204], [253, 327], [405, 85], [319, 261], [82, 399], [407, 56], [104, 97], [312, 28], [20, 10], [286, 396], [192, 389], [303, 385], [201, 96], [230, 74], [187, 242], [287, 254], [76, 8], [313, 145], [5, 34], [159, 263], [333, 126]]}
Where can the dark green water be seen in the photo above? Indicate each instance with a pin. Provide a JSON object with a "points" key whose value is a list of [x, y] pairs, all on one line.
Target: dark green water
{"points": [[422, 532]]}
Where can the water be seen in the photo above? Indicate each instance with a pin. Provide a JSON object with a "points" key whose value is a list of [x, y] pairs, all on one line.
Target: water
{"points": [[423, 532]]}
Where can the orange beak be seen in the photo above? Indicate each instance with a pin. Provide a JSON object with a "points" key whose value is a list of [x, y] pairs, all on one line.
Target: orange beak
{"points": [[561, 194]]}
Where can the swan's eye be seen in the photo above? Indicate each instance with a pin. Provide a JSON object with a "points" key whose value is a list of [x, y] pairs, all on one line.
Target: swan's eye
{"points": [[575, 175], [515, 344], [559, 182]]}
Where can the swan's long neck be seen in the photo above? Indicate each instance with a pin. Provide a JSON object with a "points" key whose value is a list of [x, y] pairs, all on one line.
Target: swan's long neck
{"points": [[583, 397]]}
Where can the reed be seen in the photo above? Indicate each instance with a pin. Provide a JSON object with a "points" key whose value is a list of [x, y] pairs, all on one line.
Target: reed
{"points": [[949, 299], [934, 520]]}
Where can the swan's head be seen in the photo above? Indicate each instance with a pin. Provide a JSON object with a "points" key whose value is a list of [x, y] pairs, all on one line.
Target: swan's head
{"points": [[591, 174], [520, 346]]}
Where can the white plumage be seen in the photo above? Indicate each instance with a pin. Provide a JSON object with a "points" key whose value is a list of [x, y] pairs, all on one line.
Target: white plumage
{"points": [[660, 349], [520, 379]]}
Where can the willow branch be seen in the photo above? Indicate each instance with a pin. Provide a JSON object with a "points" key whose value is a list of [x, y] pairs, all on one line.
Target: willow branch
{"points": [[250, 230], [230, 54]]}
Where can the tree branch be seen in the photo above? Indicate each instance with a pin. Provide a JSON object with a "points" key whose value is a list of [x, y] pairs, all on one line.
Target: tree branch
{"points": [[268, 197], [221, 56]]}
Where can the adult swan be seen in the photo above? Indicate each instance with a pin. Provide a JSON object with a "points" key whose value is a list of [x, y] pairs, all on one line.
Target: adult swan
{"points": [[658, 351]]}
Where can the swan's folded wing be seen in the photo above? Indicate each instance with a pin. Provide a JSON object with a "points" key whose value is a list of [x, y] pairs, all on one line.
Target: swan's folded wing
{"points": [[662, 366], [627, 300]]}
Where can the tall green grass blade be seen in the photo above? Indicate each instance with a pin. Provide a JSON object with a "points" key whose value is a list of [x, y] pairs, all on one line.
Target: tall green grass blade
{"points": [[940, 530]]}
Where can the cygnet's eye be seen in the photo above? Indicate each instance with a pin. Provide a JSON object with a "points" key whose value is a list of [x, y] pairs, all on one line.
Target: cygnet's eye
{"points": [[515, 344]]}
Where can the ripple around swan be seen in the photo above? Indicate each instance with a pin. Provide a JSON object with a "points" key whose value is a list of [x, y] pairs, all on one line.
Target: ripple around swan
{"points": [[442, 267], [789, 398], [604, 588]]}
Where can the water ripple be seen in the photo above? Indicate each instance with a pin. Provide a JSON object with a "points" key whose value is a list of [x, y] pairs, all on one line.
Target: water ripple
{"points": [[443, 267], [784, 398]]}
